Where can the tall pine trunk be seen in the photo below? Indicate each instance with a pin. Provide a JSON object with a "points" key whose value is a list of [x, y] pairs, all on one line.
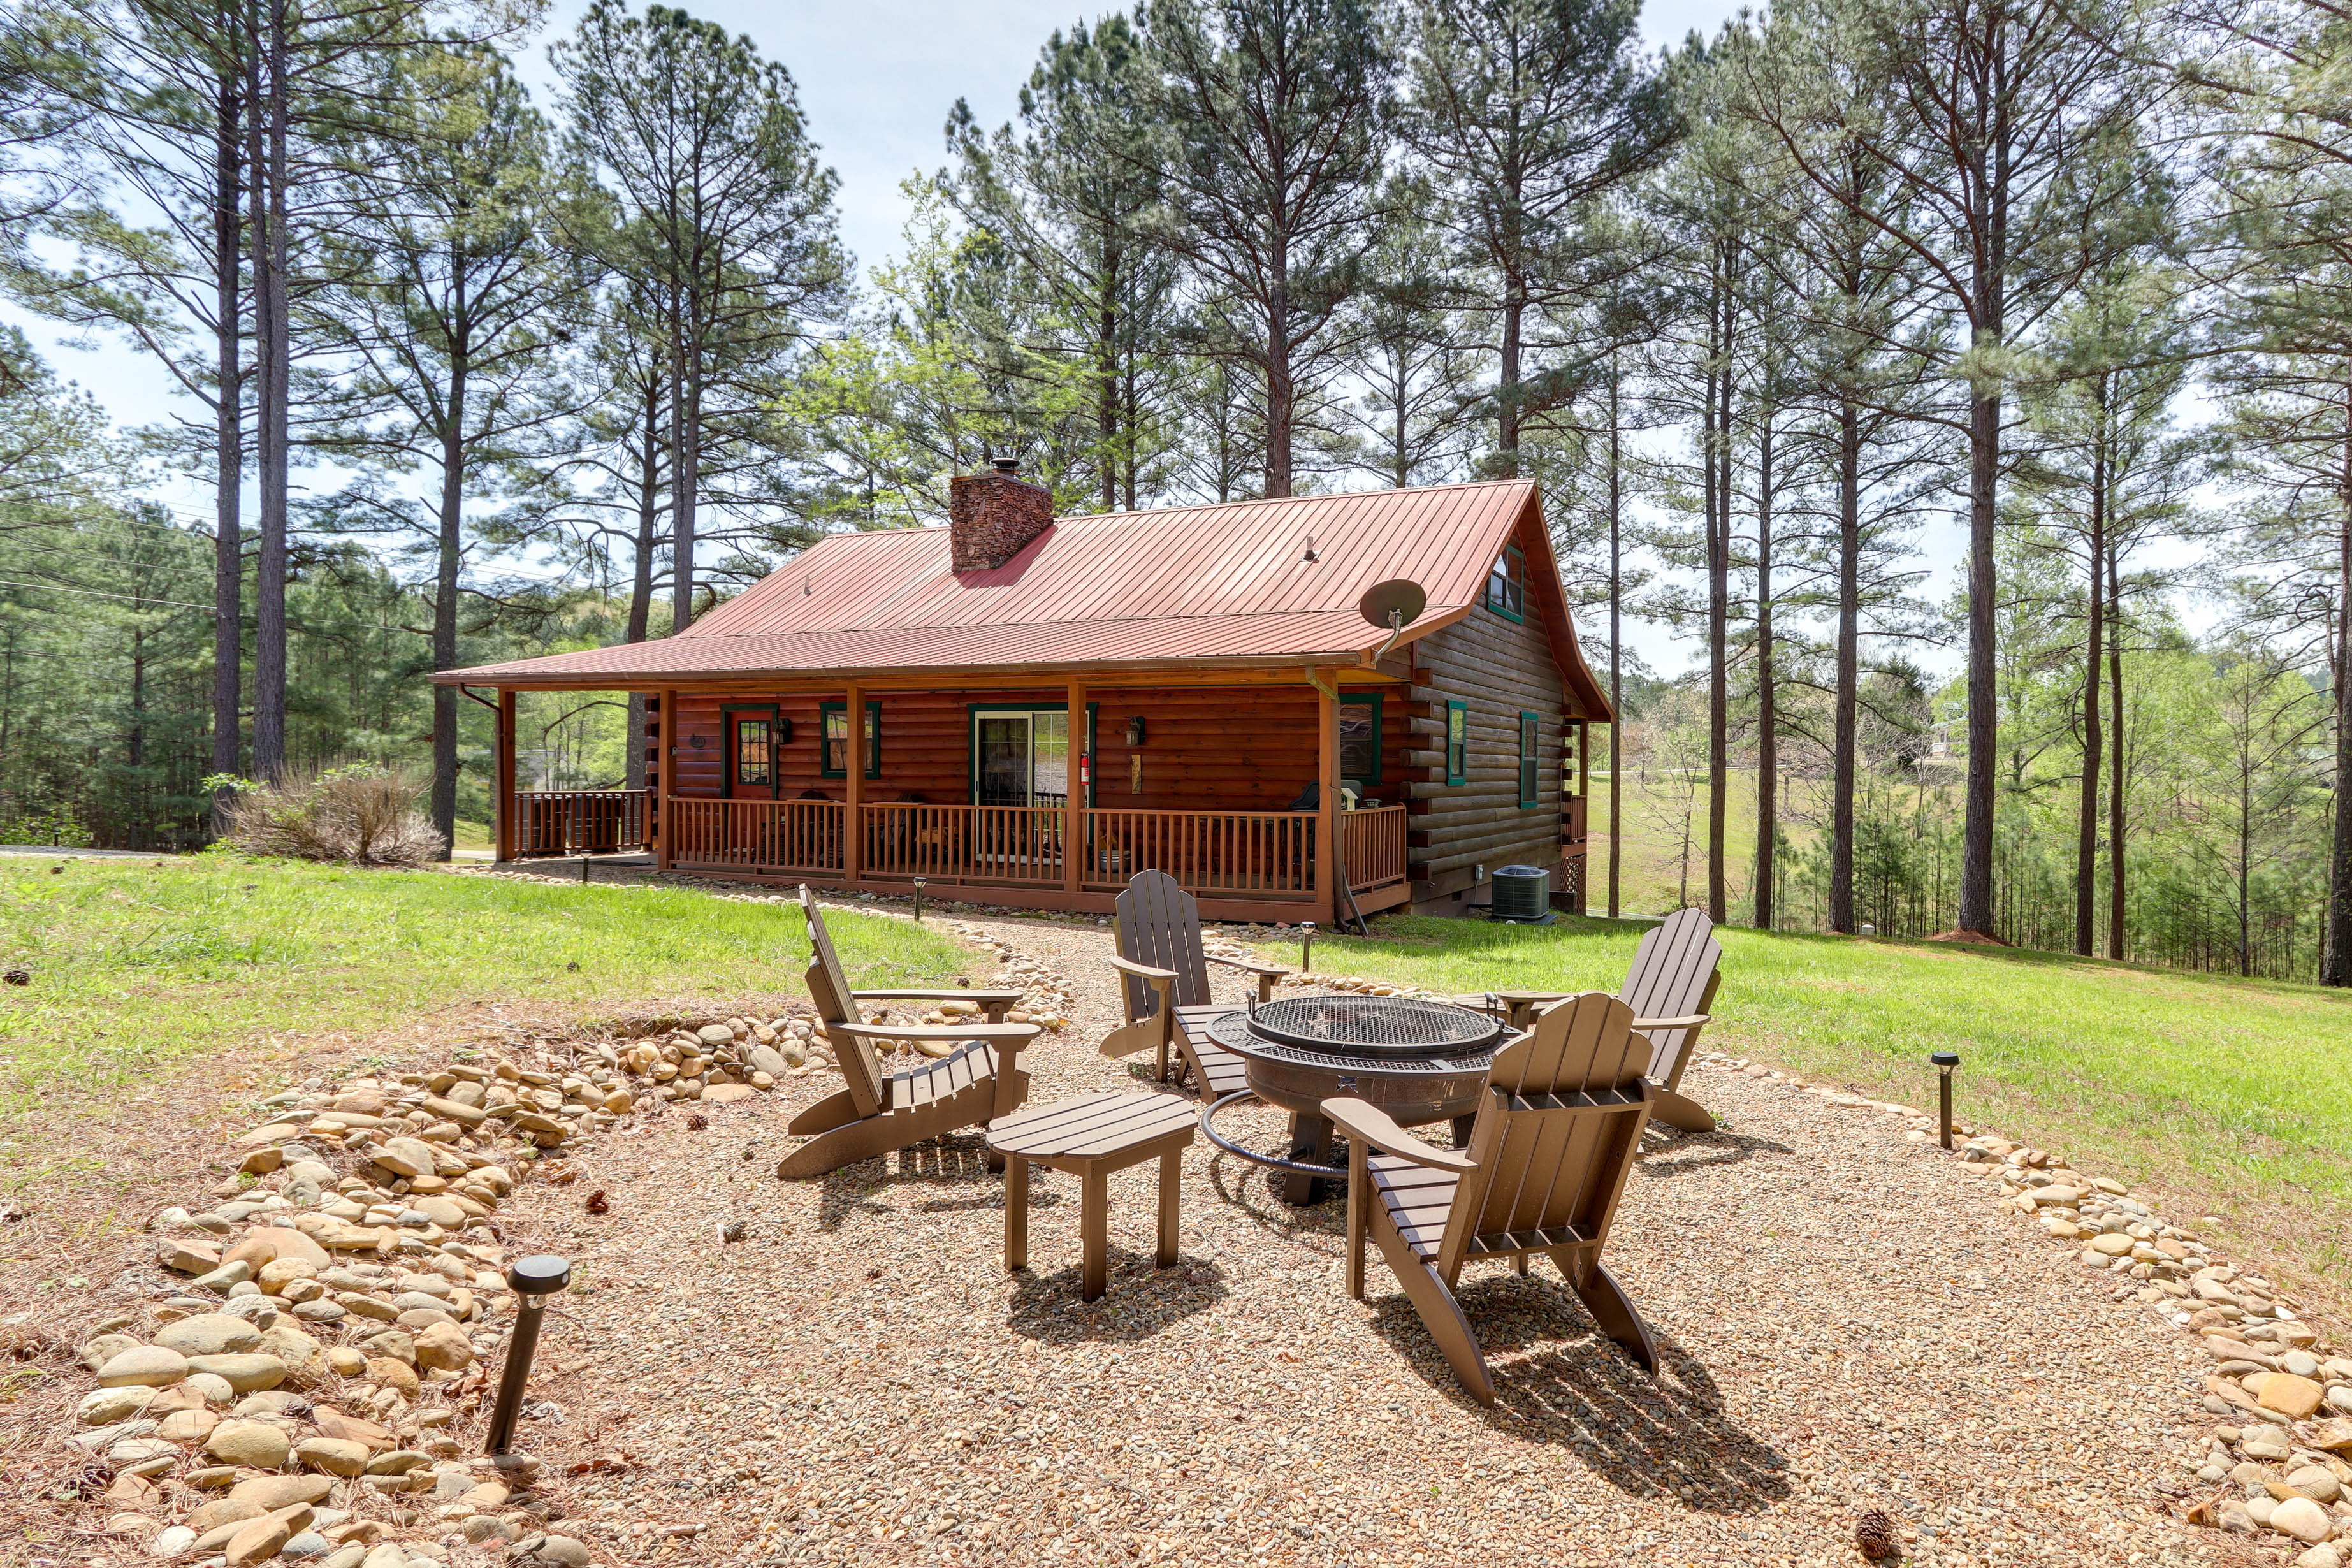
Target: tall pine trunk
{"points": [[2086, 827], [228, 429], [1616, 608], [1506, 404], [449, 558], [1976, 913], [641, 578], [1768, 740], [1106, 368], [1845, 699], [1717, 429], [2336, 956], [1281, 394], [271, 104], [2114, 758], [685, 464]]}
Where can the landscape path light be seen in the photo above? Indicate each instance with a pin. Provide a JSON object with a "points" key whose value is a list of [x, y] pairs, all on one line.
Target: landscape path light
{"points": [[532, 1280], [918, 900], [1945, 1062]]}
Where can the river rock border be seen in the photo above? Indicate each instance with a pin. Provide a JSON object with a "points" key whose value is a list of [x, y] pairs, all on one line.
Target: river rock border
{"points": [[310, 1333], [2275, 1466]]}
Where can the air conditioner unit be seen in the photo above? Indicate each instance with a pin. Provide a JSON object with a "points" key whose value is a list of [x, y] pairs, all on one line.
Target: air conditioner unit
{"points": [[1521, 894]]}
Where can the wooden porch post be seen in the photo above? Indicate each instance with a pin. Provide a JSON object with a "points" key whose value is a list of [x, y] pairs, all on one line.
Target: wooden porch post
{"points": [[1327, 771], [503, 773], [1073, 808], [853, 830], [666, 784]]}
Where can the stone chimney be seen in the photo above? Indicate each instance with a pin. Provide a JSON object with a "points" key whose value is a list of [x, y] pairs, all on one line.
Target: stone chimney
{"points": [[991, 516]]}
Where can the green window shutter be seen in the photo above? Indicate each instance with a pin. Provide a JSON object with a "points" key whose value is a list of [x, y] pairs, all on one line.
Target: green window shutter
{"points": [[1360, 738], [1530, 748], [1457, 741]]}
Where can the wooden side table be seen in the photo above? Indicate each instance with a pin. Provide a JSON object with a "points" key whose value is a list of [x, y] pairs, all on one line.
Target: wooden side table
{"points": [[1091, 1137]]}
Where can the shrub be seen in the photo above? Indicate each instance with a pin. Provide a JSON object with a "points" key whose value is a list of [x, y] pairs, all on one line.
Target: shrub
{"points": [[360, 816]]}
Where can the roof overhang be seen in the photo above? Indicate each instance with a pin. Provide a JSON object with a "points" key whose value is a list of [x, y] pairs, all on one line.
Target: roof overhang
{"points": [[1235, 649]]}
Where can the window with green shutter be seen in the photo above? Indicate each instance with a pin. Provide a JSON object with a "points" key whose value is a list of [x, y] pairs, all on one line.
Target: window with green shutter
{"points": [[1530, 751], [1360, 739], [835, 761], [1457, 741]]}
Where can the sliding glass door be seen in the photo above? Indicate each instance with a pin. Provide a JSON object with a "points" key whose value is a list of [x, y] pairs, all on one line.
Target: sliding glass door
{"points": [[1020, 756]]}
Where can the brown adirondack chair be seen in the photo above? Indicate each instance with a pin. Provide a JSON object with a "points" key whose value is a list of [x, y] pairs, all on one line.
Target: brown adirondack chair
{"points": [[1675, 975], [1165, 983], [979, 1080], [1555, 1138]]}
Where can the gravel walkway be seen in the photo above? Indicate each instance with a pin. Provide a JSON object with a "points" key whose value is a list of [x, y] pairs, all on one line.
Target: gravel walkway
{"points": [[1845, 1321]]}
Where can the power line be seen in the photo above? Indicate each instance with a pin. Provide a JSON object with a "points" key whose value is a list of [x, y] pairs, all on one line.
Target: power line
{"points": [[94, 593]]}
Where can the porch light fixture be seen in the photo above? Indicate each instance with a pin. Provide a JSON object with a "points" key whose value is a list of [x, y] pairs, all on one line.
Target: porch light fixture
{"points": [[1945, 1062], [1135, 731], [918, 900]]}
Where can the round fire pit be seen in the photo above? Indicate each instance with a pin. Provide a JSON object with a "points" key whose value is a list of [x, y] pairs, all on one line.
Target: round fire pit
{"points": [[1418, 1060]]}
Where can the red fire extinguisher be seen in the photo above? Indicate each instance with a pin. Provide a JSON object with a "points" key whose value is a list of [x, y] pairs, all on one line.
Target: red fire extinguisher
{"points": [[1085, 767]]}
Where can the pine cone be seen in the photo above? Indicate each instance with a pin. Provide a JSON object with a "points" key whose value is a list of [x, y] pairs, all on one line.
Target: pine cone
{"points": [[1875, 1535], [697, 1123], [18, 977], [598, 1203]]}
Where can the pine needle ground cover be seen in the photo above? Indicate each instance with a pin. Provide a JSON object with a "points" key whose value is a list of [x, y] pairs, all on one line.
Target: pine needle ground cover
{"points": [[134, 965], [2236, 1095]]}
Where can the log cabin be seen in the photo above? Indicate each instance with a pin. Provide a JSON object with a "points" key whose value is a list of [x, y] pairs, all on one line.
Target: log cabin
{"points": [[1025, 709]]}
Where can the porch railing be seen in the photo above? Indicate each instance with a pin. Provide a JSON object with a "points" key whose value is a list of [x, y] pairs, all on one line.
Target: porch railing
{"points": [[1371, 843], [759, 835], [582, 820], [1015, 844], [1270, 853], [1260, 854]]}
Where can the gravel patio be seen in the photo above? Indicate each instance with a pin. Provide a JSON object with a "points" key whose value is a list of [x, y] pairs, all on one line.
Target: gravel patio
{"points": [[1844, 1322]]}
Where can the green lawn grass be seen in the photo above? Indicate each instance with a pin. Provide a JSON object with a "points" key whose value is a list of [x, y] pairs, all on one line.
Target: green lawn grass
{"points": [[138, 965], [2236, 1095]]}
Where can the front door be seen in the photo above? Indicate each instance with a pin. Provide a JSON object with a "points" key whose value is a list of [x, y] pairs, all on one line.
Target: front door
{"points": [[752, 765], [1020, 757]]}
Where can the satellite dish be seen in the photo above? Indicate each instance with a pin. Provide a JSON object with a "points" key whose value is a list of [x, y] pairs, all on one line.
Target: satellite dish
{"points": [[1400, 597]]}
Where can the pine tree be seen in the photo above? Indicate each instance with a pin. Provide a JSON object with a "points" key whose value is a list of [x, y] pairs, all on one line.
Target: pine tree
{"points": [[1276, 116]]}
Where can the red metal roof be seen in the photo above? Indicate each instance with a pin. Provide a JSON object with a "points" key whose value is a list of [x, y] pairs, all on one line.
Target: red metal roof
{"points": [[1185, 586]]}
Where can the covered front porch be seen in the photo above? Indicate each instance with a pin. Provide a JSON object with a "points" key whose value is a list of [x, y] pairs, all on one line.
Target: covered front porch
{"points": [[1243, 792]]}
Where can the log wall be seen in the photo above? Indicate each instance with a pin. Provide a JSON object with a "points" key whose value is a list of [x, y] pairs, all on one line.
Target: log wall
{"points": [[1498, 667], [1205, 748]]}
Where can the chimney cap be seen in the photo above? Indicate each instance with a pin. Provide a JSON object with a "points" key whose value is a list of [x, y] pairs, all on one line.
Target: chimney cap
{"points": [[1008, 467]]}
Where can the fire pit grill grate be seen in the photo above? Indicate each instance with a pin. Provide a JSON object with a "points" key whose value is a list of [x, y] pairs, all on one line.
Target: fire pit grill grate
{"points": [[1346, 1030], [1231, 1031]]}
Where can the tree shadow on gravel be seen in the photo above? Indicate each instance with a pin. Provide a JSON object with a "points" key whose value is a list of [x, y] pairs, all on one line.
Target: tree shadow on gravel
{"points": [[1142, 1298], [1559, 1380], [953, 1167], [1695, 1152]]}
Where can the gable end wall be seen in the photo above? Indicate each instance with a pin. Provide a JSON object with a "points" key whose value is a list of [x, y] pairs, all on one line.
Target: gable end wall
{"points": [[1499, 667]]}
